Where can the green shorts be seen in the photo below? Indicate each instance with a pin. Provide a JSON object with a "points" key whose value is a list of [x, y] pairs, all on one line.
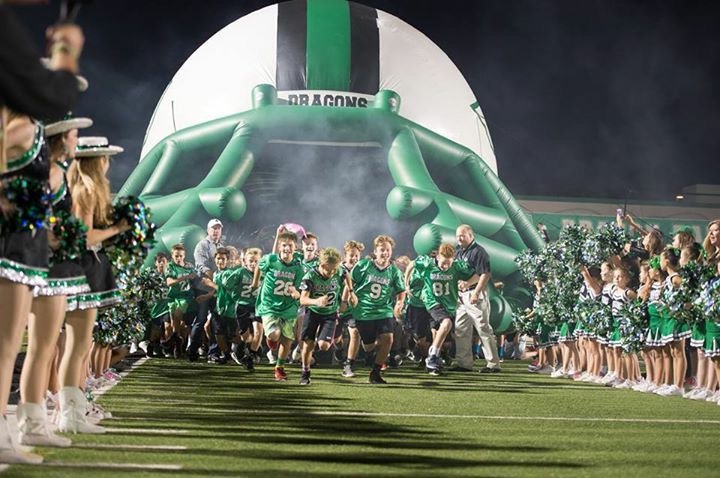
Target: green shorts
{"points": [[180, 304], [286, 326]]}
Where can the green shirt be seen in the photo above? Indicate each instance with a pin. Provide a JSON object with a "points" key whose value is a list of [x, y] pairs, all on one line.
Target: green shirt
{"points": [[245, 294], [180, 290], [227, 282], [440, 288], [317, 286], [349, 309], [275, 299], [376, 289], [414, 298]]}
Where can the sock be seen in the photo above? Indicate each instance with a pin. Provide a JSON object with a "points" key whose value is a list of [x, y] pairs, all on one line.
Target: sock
{"points": [[376, 367], [476, 349], [280, 363], [350, 362], [432, 350]]}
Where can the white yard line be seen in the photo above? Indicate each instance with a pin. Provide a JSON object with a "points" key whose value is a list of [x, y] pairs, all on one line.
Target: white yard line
{"points": [[116, 446], [502, 417], [120, 466], [479, 417], [147, 431]]}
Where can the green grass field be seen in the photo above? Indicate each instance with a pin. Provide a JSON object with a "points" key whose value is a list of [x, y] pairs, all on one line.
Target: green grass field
{"points": [[209, 420]]}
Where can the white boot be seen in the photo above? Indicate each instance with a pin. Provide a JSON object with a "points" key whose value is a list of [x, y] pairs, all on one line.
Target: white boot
{"points": [[34, 429], [9, 454], [73, 405]]}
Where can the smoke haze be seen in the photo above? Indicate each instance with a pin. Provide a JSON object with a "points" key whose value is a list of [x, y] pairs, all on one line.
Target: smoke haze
{"points": [[588, 99]]}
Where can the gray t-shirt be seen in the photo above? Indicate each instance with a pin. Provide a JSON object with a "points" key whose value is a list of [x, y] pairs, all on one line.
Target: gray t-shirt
{"points": [[204, 261]]}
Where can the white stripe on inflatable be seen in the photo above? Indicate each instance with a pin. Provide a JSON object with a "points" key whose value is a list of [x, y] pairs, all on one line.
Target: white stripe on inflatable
{"points": [[433, 91], [217, 79]]}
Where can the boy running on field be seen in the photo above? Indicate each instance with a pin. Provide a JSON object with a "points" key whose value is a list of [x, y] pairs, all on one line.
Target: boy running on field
{"points": [[180, 296], [321, 292], [251, 259], [378, 289], [278, 304], [440, 295], [353, 252], [223, 323]]}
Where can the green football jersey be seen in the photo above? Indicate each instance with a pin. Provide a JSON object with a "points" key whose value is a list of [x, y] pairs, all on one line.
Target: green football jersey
{"points": [[311, 264], [246, 295], [180, 290], [275, 299], [317, 286], [227, 282], [349, 309], [441, 287], [416, 284], [376, 289]]}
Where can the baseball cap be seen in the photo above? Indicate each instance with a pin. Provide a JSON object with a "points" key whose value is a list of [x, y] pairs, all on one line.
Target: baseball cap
{"points": [[214, 222]]}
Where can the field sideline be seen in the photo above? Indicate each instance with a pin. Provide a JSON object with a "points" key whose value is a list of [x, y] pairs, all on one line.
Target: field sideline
{"points": [[172, 418]]}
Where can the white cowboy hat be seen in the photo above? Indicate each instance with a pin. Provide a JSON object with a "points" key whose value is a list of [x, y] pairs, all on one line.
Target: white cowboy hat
{"points": [[66, 124], [91, 146]]}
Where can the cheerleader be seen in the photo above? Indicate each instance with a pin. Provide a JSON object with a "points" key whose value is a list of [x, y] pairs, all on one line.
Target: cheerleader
{"points": [[607, 271], [568, 350], [673, 333], [712, 328], [625, 364], [697, 364], [24, 250], [90, 191], [590, 291], [709, 379], [650, 293], [48, 307]]}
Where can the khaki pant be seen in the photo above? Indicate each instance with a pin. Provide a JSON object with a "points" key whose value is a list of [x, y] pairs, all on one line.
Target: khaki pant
{"points": [[474, 315]]}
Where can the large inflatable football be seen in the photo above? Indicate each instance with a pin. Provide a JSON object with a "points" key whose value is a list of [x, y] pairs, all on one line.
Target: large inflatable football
{"points": [[336, 116]]}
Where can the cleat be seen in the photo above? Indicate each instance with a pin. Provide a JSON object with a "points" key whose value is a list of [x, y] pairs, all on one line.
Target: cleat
{"points": [[235, 358], [280, 374], [305, 378], [348, 371], [432, 363], [376, 378]]}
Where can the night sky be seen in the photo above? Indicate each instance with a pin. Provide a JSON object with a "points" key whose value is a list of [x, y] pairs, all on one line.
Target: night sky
{"points": [[600, 98]]}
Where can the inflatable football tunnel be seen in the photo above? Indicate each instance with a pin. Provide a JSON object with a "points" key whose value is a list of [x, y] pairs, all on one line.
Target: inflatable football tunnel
{"points": [[337, 116]]}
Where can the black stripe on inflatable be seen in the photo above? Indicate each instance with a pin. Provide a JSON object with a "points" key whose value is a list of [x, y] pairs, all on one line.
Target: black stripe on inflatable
{"points": [[291, 41], [365, 50]]}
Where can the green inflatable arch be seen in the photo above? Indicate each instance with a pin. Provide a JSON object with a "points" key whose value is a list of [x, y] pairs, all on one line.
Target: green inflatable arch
{"points": [[204, 171]]}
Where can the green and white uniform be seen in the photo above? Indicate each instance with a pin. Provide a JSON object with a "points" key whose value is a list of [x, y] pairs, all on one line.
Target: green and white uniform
{"points": [[440, 288], [228, 286], [275, 299], [376, 290], [180, 294], [416, 283], [318, 286]]}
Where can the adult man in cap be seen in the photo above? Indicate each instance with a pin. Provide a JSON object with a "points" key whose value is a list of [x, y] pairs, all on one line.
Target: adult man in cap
{"points": [[205, 266], [474, 307]]}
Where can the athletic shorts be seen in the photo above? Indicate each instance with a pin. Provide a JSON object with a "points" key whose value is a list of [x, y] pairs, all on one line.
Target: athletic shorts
{"points": [[437, 315], [371, 329], [419, 320], [345, 321], [223, 326], [286, 327], [244, 318], [160, 320], [319, 327]]}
